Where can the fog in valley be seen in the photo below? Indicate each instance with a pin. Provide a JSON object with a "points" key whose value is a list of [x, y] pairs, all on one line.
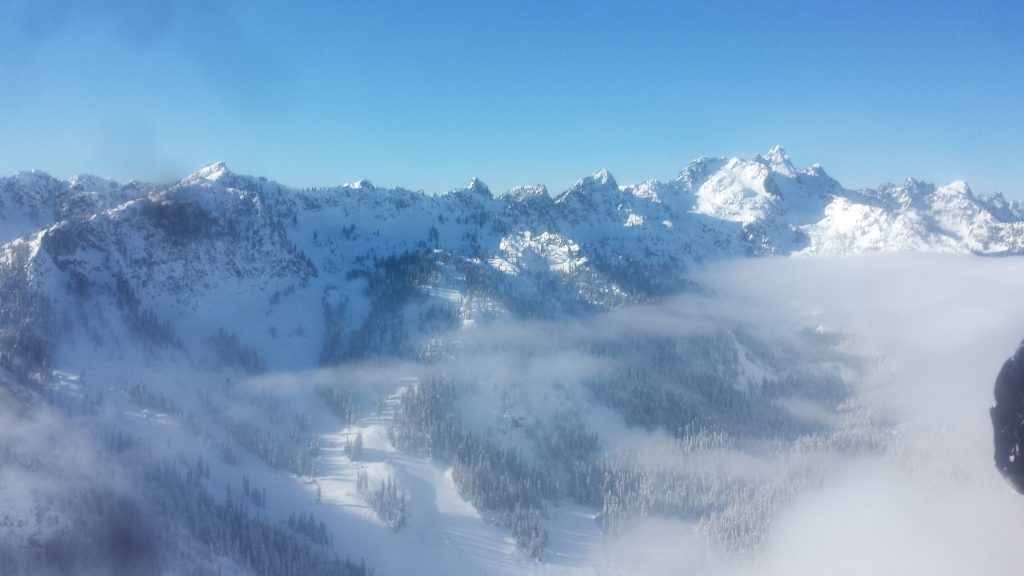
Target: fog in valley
{"points": [[814, 415]]}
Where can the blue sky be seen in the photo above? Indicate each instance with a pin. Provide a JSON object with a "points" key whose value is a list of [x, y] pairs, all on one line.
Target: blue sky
{"points": [[429, 94]]}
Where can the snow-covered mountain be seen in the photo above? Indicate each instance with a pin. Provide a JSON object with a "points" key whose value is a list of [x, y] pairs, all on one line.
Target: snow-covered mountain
{"points": [[383, 267], [468, 340], [31, 200]]}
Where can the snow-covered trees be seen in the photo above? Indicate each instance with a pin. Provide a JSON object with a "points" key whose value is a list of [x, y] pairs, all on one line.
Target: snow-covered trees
{"points": [[339, 398], [392, 282], [143, 322], [150, 399], [387, 501], [27, 323], [489, 476], [296, 547], [158, 517], [714, 397], [354, 446], [232, 352]]}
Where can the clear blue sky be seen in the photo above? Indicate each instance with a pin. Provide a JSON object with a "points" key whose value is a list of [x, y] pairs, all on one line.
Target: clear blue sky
{"points": [[427, 94]]}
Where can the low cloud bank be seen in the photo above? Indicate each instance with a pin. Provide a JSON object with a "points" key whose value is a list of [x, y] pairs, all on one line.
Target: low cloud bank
{"points": [[918, 339], [941, 327]]}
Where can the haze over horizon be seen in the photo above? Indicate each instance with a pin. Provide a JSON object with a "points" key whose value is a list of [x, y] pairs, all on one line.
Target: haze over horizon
{"points": [[516, 93]]}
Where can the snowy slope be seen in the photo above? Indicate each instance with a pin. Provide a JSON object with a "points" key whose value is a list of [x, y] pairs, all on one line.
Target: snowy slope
{"points": [[31, 200], [197, 289]]}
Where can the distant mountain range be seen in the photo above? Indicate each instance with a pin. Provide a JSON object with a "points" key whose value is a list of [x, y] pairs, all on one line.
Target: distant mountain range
{"points": [[317, 276]]}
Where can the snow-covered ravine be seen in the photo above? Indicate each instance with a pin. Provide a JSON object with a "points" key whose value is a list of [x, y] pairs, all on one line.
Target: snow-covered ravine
{"points": [[443, 533]]}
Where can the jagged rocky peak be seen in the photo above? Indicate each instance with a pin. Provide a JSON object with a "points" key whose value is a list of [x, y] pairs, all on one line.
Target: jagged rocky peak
{"points": [[604, 178], [917, 187], [474, 190], [645, 190], [599, 181], [958, 187], [816, 170], [698, 171], [776, 160], [910, 190], [212, 173], [524, 193], [217, 175], [1002, 209], [88, 182], [33, 189], [956, 199], [477, 186], [363, 184]]}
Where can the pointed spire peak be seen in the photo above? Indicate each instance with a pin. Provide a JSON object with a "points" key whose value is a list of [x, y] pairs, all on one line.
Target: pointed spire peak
{"points": [[958, 187], [918, 186], [477, 185], [212, 173], [600, 179], [776, 160], [604, 178], [217, 168], [960, 184], [777, 154], [598, 183], [475, 188]]}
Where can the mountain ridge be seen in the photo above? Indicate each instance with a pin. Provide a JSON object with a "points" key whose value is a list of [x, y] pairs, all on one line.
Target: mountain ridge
{"points": [[387, 267]]}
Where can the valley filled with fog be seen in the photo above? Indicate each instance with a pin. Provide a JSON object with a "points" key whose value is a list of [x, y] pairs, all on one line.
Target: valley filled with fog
{"points": [[806, 415]]}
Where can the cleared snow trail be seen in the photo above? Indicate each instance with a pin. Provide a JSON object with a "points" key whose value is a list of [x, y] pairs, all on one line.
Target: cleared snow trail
{"points": [[443, 534]]}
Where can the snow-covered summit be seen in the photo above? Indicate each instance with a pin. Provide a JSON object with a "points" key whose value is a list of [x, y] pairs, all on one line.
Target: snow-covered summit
{"points": [[777, 161], [599, 181], [212, 173], [477, 186], [363, 184], [524, 193], [91, 183], [31, 200]]}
